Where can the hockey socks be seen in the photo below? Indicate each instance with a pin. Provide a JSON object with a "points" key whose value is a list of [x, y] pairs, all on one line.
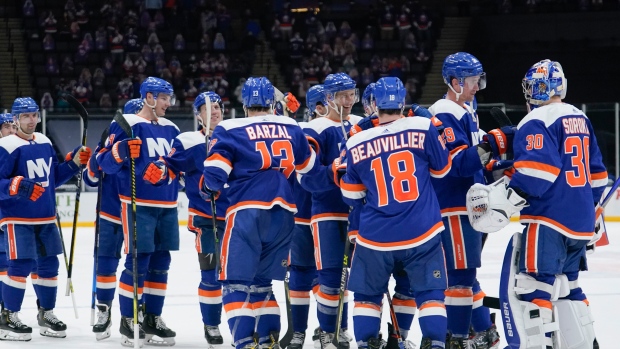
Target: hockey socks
{"points": [[210, 298], [106, 279], [4, 266], [405, 309], [156, 282], [14, 285], [432, 315], [480, 315], [301, 281], [125, 286], [45, 282], [459, 300], [366, 317]]}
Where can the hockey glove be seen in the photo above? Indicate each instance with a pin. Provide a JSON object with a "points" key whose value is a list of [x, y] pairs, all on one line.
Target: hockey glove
{"points": [[126, 148], [500, 140], [496, 169], [364, 124], [92, 169], [205, 192], [418, 110], [156, 172], [599, 228], [339, 168], [82, 157], [25, 188], [489, 207]]}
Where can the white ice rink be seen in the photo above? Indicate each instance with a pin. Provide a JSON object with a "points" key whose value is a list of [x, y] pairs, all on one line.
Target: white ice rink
{"points": [[182, 313]]}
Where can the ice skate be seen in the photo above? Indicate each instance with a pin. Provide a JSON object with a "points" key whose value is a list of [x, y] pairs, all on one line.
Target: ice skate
{"points": [[49, 325], [156, 332], [273, 341], [104, 322], [427, 343], [376, 343], [127, 332], [213, 335], [488, 339], [297, 342], [12, 328], [459, 343]]}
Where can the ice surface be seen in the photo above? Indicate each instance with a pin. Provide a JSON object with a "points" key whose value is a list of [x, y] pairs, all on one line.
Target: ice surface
{"points": [[182, 313]]}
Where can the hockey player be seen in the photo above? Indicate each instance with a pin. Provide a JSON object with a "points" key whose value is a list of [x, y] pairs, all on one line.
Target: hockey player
{"points": [[388, 173], [29, 174], [256, 156], [7, 128], [559, 179], [157, 227], [188, 154], [329, 212], [110, 234], [464, 75], [303, 276]]}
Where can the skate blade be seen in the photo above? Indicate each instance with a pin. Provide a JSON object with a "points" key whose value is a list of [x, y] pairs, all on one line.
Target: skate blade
{"points": [[14, 337], [157, 341], [126, 342], [103, 335], [215, 341], [47, 332]]}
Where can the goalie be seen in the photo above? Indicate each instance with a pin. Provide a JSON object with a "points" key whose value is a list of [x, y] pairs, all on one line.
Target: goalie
{"points": [[559, 179]]}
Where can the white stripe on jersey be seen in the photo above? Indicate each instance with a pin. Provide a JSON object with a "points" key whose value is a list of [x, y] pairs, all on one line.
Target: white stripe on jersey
{"points": [[321, 124], [236, 123], [12, 142], [191, 139], [446, 106], [550, 113], [403, 124], [550, 177]]}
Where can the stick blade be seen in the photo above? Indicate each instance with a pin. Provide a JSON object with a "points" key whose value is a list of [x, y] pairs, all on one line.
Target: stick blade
{"points": [[79, 107], [500, 117]]}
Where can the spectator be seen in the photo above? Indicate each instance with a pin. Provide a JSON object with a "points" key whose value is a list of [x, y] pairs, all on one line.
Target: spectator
{"points": [[105, 101], [410, 43], [87, 42], [174, 65], [311, 72], [276, 35], [349, 47], [159, 20], [354, 75], [219, 43], [160, 65], [403, 23], [179, 43], [354, 41], [421, 57], [49, 24], [190, 91], [86, 76], [326, 69], [81, 56], [140, 65], [124, 91], [405, 64], [166, 74], [81, 13], [128, 65], [131, 19], [422, 25], [153, 39], [28, 9], [286, 24], [145, 19], [208, 20], [296, 47], [47, 102], [153, 4], [75, 30], [70, 6], [66, 67], [205, 42], [412, 91], [387, 25], [367, 42], [116, 46], [395, 68], [367, 77], [147, 53], [130, 41], [51, 66], [48, 42], [327, 52], [223, 20], [348, 64], [192, 66], [108, 68], [339, 51], [345, 30], [101, 39], [81, 93], [330, 31], [312, 23], [98, 78], [158, 52]]}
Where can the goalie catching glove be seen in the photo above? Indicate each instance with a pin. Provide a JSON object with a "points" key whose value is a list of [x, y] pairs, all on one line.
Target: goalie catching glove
{"points": [[489, 207]]}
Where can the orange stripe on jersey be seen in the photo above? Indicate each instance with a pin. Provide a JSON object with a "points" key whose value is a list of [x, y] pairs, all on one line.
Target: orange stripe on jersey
{"points": [[531, 253], [479, 296], [129, 288], [535, 165], [230, 223], [457, 210], [101, 278], [156, 285], [261, 304], [420, 238], [329, 215], [125, 225], [236, 305], [557, 225], [206, 293], [101, 213], [367, 305], [145, 201], [218, 157], [599, 175], [305, 163], [432, 305], [404, 302], [271, 203], [443, 171], [28, 220], [598, 212], [299, 294], [304, 221], [458, 245], [458, 293], [34, 276], [457, 150], [330, 297], [317, 245], [314, 143], [352, 187]]}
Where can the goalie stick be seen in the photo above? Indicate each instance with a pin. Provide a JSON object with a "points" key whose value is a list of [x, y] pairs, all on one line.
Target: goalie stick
{"points": [[124, 125], [286, 339]]}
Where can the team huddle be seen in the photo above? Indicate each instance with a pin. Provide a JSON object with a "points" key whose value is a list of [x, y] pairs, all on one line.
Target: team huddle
{"points": [[385, 195]]}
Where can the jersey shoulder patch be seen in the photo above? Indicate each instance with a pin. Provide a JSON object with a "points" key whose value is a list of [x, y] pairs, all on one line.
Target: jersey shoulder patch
{"points": [[446, 106], [550, 113], [191, 139]]}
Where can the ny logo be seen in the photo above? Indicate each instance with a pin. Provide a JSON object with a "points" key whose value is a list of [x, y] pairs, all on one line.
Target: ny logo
{"points": [[158, 147], [38, 169]]}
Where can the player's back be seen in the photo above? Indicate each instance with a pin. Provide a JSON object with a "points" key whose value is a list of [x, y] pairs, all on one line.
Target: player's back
{"points": [[559, 165], [394, 164], [259, 156]]}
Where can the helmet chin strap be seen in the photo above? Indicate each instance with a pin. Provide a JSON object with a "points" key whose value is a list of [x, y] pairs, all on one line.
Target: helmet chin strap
{"points": [[152, 107], [458, 94]]}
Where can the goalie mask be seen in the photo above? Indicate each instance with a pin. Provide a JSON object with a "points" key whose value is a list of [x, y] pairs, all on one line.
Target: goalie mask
{"points": [[542, 81]]}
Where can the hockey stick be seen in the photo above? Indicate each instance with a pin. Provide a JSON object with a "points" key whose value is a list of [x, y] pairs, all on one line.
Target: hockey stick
{"points": [[64, 252], [493, 302], [343, 285], [288, 336], [104, 136], [216, 240], [395, 327], [84, 115], [124, 125], [500, 117]]}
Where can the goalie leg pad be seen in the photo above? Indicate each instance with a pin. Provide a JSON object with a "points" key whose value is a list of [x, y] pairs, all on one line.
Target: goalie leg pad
{"points": [[576, 324]]}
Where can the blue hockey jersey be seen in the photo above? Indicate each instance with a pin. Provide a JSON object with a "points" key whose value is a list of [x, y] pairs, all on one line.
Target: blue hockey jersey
{"points": [[187, 155], [35, 160], [257, 157], [303, 198], [559, 164], [327, 203], [461, 134], [390, 167], [110, 202], [157, 137]]}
